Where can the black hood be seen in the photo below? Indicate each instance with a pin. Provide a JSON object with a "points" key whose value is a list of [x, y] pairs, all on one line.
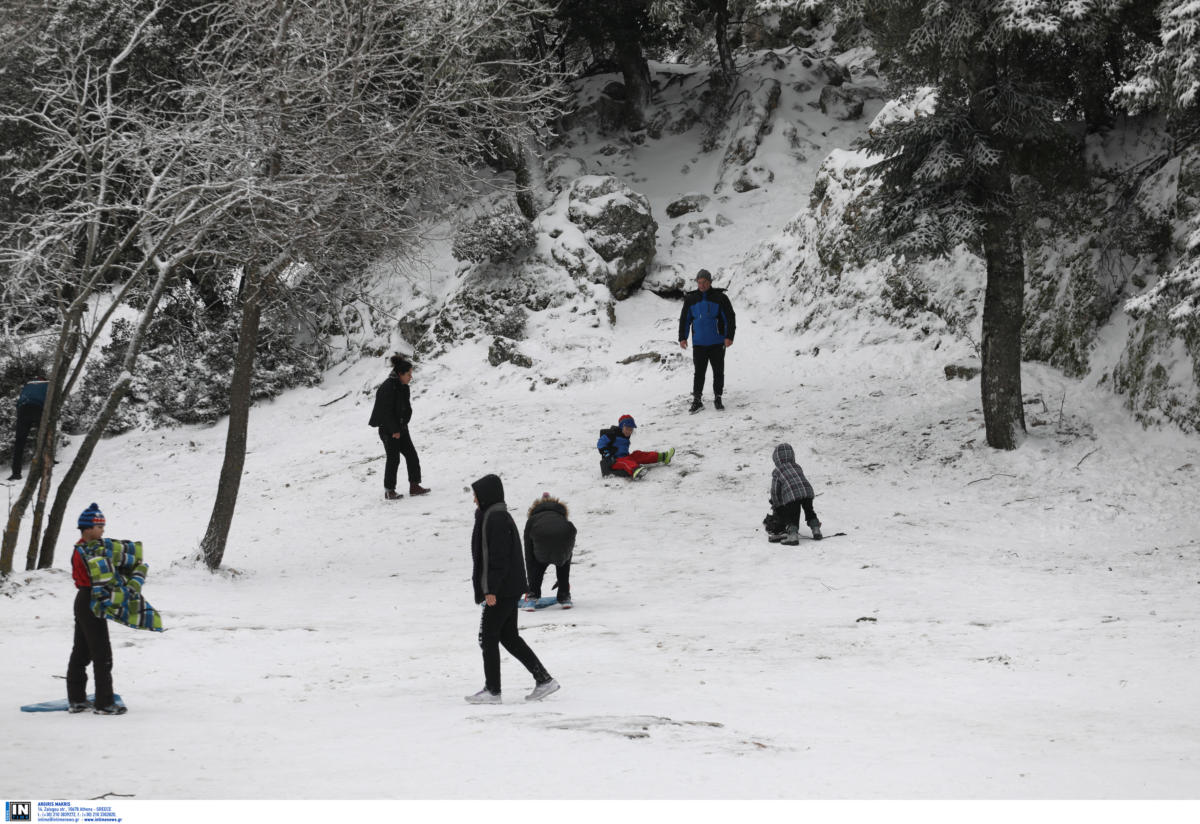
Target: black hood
{"points": [[489, 490]]}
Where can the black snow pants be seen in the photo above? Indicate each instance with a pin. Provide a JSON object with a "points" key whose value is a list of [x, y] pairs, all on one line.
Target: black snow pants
{"points": [[497, 626], [91, 647]]}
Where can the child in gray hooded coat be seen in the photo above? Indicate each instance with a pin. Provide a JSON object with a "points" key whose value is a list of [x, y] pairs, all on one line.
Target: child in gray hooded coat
{"points": [[790, 493]]}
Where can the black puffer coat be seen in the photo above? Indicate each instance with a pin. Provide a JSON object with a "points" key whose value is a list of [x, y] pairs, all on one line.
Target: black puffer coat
{"points": [[549, 534], [501, 570], [392, 410]]}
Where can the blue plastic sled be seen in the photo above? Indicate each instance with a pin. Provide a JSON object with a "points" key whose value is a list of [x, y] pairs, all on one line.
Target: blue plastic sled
{"points": [[540, 603], [60, 705]]}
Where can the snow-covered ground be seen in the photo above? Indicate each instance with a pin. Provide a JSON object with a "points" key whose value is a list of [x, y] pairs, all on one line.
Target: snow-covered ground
{"points": [[992, 625]]}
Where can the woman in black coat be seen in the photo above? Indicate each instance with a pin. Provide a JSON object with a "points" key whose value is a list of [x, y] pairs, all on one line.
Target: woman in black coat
{"points": [[391, 415]]}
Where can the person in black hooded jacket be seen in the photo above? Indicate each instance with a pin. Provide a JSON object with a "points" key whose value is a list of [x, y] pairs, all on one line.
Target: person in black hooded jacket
{"points": [[498, 577], [391, 414]]}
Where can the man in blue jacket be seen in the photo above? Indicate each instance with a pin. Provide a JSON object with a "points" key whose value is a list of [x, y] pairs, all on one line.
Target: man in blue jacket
{"points": [[29, 415], [709, 315]]}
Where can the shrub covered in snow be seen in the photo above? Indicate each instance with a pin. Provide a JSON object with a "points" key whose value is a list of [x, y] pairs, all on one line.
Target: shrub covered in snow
{"points": [[497, 236], [187, 361]]}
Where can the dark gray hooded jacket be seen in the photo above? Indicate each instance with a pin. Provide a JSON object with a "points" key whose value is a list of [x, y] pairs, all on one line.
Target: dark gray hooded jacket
{"points": [[787, 479]]}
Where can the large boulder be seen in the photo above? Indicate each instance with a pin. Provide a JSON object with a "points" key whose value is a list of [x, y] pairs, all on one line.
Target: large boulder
{"points": [[691, 202], [616, 222], [504, 350], [841, 103], [845, 102]]}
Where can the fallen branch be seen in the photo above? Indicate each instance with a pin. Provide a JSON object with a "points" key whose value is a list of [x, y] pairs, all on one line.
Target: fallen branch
{"points": [[989, 477], [335, 400], [1088, 455]]}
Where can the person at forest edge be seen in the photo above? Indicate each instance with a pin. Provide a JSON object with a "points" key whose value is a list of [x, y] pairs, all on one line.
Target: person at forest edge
{"points": [[391, 414], [29, 415], [709, 315], [615, 455]]}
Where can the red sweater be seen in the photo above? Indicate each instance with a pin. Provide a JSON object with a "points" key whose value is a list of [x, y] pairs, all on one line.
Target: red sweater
{"points": [[79, 570]]}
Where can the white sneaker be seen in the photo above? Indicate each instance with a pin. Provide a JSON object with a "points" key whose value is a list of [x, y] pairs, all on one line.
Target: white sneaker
{"points": [[485, 697], [542, 690]]}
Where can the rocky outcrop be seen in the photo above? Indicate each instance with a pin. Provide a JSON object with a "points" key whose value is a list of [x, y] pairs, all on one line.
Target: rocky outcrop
{"points": [[617, 224], [691, 202], [754, 121]]}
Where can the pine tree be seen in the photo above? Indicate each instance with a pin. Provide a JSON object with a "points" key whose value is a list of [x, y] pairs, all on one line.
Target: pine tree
{"points": [[1169, 72], [1007, 96]]}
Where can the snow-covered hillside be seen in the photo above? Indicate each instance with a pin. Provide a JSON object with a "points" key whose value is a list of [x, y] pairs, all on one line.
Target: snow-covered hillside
{"points": [[991, 625]]}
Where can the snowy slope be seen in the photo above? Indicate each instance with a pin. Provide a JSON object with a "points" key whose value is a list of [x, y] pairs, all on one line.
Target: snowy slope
{"points": [[992, 625]]}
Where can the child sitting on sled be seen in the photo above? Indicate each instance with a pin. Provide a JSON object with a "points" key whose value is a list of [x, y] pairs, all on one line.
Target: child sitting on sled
{"points": [[615, 456]]}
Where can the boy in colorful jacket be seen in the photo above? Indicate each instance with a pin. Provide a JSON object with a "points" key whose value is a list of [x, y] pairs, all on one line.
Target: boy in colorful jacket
{"points": [[108, 578], [615, 455]]}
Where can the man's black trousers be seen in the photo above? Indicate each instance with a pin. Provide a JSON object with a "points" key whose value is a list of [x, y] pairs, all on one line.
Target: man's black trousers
{"points": [[498, 626], [28, 417], [702, 356]]}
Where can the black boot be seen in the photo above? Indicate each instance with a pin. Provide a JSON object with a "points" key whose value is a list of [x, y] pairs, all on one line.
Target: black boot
{"points": [[697, 405], [717, 403]]}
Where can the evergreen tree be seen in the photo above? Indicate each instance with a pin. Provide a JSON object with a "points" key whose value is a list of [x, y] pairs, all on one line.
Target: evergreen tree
{"points": [[1168, 74], [619, 31], [1008, 98]]}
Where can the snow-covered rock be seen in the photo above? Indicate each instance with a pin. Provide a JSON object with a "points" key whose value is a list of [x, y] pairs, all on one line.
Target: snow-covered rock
{"points": [[616, 222]]}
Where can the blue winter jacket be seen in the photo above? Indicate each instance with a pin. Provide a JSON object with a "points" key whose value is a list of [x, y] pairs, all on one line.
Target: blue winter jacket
{"points": [[709, 315], [613, 443], [33, 394]]}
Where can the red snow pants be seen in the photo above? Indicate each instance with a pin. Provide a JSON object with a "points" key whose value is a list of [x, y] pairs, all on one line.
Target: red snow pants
{"points": [[633, 460]]}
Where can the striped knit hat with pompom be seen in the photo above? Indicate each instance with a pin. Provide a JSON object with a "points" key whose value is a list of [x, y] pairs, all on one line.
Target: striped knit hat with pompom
{"points": [[92, 516]]}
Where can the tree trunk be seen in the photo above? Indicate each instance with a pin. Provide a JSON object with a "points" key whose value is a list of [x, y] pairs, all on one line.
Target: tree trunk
{"points": [[1003, 317], [213, 545], [39, 507], [72, 476], [721, 34], [636, 73], [42, 465], [115, 395]]}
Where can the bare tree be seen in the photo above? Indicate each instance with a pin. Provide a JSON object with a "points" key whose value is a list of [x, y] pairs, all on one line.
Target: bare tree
{"points": [[122, 193], [350, 119]]}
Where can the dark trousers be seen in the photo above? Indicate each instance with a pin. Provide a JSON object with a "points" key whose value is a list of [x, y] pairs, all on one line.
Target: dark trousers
{"points": [[790, 512], [702, 356], [497, 626], [28, 418], [393, 448], [91, 647], [537, 571]]}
